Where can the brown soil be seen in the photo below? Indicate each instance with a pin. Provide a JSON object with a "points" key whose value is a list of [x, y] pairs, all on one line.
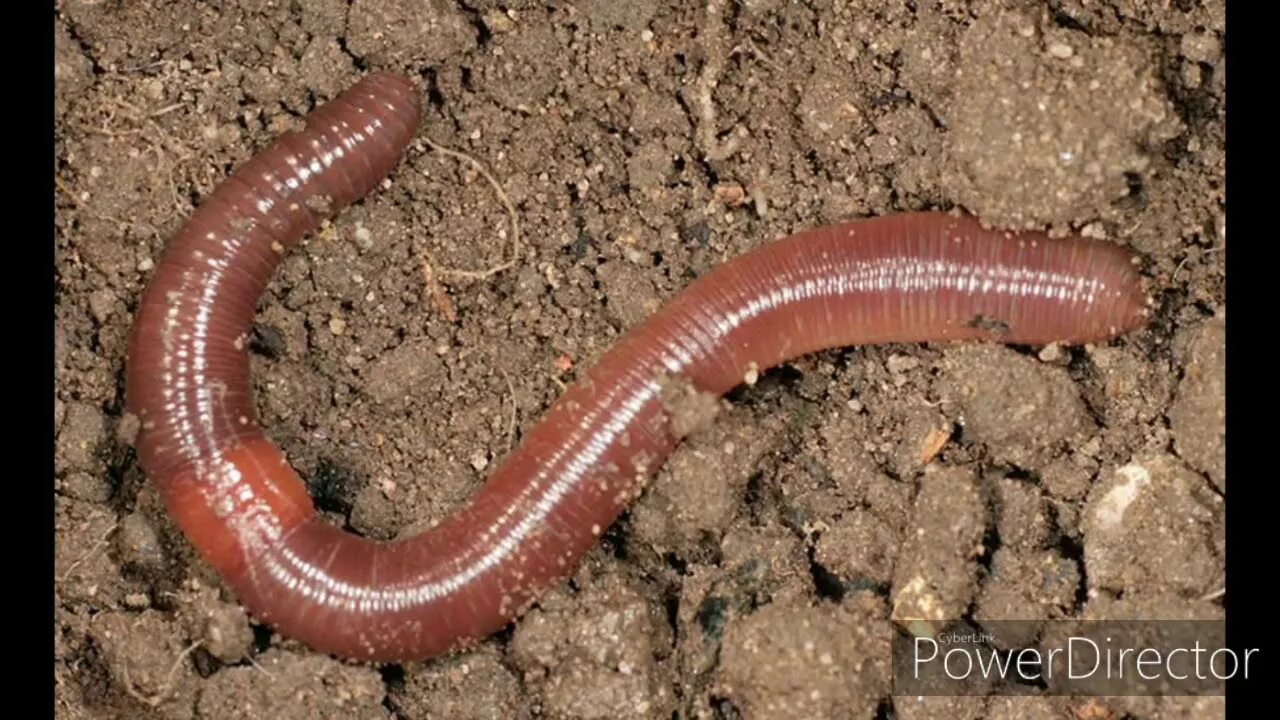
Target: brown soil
{"points": [[641, 143]]}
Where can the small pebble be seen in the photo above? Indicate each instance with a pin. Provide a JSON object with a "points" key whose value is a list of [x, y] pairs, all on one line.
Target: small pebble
{"points": [[1051, 353], [1061, 50], [364, 238], [497, 21], [899, 364], [1094, 230]]}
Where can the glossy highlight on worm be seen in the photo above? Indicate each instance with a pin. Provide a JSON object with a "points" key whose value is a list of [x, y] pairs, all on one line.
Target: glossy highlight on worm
{"points": [[903, 278]]}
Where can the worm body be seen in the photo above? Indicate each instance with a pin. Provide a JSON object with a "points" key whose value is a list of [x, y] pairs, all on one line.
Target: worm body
{"points": [[905, 278]]}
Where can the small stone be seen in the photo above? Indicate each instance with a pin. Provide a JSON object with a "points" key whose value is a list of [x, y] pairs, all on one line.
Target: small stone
{"points": [[364, 238], [497, 21], [899, 364], [1051, 353]]}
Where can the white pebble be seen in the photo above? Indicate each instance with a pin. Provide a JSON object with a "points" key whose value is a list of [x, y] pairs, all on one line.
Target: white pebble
{"points": [[364, 238], [1061, 50]]}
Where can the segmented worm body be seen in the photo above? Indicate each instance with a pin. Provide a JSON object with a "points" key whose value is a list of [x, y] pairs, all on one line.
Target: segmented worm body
{"points": [[904, 278]]}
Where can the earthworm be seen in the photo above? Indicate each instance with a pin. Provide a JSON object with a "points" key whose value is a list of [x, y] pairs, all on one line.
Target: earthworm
{"points": [[913, 277]]}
